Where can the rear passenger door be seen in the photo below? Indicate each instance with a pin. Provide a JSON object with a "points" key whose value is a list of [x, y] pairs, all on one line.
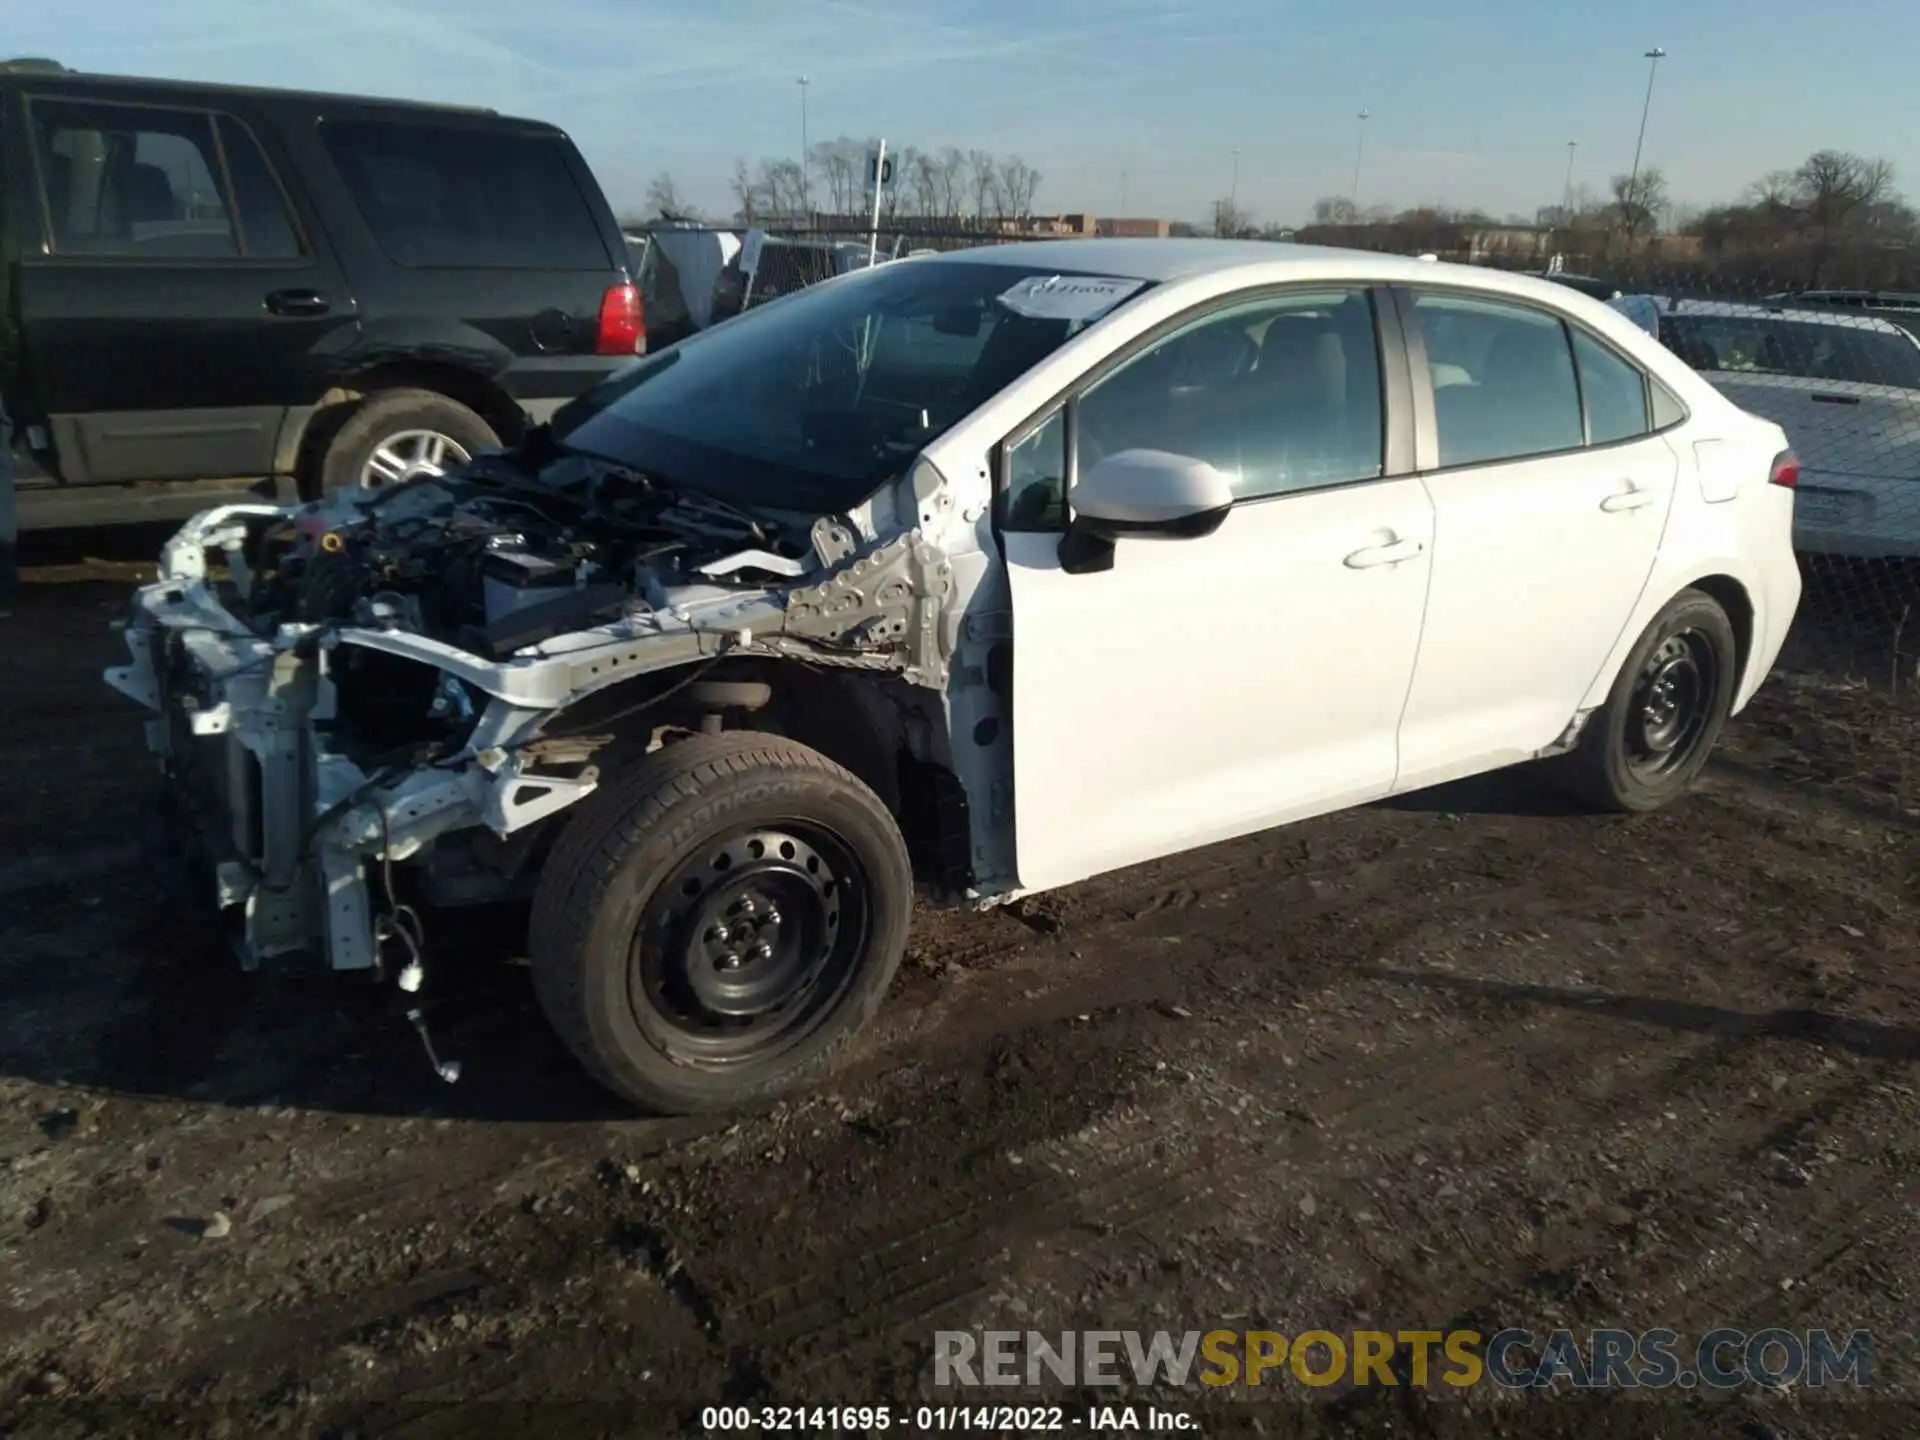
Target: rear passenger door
{"points": [[178, 308], [1550, 492]]}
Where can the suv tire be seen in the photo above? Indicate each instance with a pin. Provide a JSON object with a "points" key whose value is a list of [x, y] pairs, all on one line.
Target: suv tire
{"points": [[719, 921], [397, 420]]}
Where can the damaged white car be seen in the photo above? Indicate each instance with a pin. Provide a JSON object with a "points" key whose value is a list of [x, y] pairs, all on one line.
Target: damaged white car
{"points": [[970, 575]]}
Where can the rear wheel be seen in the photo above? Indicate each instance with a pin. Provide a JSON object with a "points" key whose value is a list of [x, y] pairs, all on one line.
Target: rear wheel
{"points": [[713, 927], [395, 435], [1655, 733]]}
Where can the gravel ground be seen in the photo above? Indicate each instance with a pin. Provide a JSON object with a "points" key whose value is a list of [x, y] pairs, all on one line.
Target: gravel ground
{"points": [[1466, 1059]]}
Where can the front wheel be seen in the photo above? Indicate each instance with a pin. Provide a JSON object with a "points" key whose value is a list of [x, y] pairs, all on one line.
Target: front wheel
{"points": [[712, 927], [1646, 745]]}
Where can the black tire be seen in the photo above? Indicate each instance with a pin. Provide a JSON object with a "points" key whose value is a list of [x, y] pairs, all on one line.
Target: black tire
{"points": [[624, 958], [1626, 760], [389, 413]]}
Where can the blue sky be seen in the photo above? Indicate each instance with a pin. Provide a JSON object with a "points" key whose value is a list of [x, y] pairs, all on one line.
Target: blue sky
{"points": [[1471, 102]]}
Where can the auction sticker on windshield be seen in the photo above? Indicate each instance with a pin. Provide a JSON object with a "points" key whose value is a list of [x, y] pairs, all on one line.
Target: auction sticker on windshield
{"points": [[1067, 297]]}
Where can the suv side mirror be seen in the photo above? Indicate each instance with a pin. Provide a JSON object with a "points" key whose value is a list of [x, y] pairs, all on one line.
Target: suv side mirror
{"points": [[1147, 494]]}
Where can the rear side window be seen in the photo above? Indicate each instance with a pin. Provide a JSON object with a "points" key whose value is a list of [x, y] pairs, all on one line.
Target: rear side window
{"points": [[132, 181], [1615, 392], [467, 198], [1503, 380]]}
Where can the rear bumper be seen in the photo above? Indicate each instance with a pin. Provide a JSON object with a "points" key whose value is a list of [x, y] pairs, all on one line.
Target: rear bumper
{"points": [[1867, 517]]}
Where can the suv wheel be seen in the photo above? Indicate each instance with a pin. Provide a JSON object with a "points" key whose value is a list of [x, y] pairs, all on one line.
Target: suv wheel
{"points": [[715, 925], [394, 435]]}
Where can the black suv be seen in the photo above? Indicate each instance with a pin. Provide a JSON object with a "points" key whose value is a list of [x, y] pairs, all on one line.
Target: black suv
{"points": [[282, 293]]}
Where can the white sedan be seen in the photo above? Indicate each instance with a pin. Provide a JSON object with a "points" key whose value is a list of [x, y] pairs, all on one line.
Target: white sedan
{"points": [[976, 573]]}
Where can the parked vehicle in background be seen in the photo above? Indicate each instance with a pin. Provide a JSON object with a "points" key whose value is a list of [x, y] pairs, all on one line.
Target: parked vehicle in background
{"points": [[1586, 284], [990, 570], [1845, 388], [1849, 299], [215, 286]]}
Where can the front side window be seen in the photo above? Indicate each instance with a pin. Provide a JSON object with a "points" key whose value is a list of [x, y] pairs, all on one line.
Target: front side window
{"points": [[1282, 394], [464, 198], [1503, 380], [132, 181]]}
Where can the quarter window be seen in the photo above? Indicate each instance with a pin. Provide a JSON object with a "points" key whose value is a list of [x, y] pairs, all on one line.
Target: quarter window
{"points": [[1615, 392], [1503, 380], [441, 195]]}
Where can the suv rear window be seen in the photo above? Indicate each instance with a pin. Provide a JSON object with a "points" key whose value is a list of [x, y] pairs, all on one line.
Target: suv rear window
{"points": [[1766, 345], [467, 198]]}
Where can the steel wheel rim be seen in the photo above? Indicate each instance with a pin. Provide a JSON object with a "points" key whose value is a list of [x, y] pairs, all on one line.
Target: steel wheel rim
{"points": [[748, 945], [408, 453], [1672, 704]]}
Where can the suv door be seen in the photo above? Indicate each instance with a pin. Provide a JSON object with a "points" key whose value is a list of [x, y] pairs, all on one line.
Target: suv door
{"points": [[178, 309], [1204, 688], [1550, 495]]}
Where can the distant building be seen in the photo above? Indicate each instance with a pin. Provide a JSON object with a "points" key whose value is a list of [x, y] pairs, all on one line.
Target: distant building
{"points": [[1136, 228]]}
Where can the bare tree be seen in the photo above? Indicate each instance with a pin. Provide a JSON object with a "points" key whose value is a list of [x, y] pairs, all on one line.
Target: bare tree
{"points": [[983, 177], [950, 183], [781, 188], [1639, 201], [924, 183], [663, 199], [1232, 221], [1832, 186], [746, 194], [1019, 183]]}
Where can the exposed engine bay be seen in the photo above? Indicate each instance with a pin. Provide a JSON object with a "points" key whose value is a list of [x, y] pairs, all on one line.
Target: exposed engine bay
{"points": [[420, 676]]}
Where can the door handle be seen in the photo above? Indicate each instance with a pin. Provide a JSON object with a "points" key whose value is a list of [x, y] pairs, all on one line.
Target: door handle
{"points": [[297, 302], [1627, 500], [1389, 554]]}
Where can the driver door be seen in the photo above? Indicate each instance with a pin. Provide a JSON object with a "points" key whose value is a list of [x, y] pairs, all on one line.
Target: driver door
{"points": [[1204, 688]]}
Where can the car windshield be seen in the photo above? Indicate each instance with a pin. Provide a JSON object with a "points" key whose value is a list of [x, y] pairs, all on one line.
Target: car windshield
{"points": [[815, 401], [1769, 345]]}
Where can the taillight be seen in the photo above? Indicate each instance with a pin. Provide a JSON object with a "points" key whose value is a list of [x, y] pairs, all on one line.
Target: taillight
{"points": [[1786, 470], [622, 324]]}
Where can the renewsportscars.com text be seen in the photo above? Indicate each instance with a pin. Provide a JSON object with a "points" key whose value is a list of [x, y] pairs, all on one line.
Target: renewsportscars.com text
{"points": [[1513, 1358]]}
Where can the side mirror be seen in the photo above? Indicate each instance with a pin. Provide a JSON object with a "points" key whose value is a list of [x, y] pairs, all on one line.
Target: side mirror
{"points": [[1146, 494]]}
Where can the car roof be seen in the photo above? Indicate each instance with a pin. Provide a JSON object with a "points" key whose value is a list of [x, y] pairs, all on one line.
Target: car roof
{"points": [[1737, 310], [1162, 260], [82, 82]]}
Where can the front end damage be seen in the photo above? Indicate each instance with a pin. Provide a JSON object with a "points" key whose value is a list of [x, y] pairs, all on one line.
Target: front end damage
{"points": [[397, 690]]}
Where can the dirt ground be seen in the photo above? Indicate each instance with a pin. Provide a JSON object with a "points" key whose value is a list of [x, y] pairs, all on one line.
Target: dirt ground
{"points": [[1467, 1059]]}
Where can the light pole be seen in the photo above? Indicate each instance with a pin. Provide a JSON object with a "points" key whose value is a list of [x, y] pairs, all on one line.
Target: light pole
{"points": [[1653, 58], [1566, 200], [806, 188], [1359, 149], [1233, 190], [1123, 194]]}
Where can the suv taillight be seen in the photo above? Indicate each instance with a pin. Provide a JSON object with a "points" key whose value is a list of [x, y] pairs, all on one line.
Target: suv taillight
{"points": [[1786, 470], [622, 324]]}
